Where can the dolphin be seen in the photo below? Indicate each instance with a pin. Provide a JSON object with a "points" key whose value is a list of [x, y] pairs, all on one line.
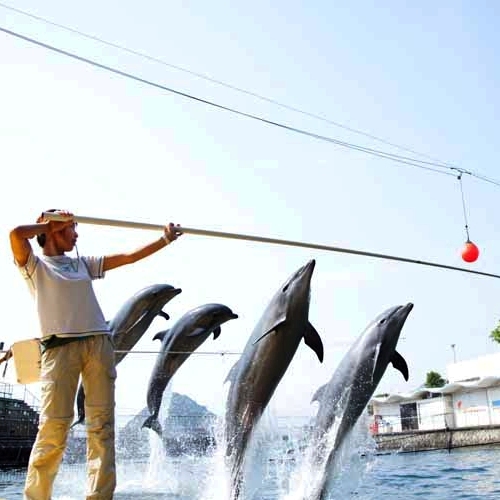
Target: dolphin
{"points": [[136, 315], [177, 343], [343, 399], [130, 323], [264, 361]]}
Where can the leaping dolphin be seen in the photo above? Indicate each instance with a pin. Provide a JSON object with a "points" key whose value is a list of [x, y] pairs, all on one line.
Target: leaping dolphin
{"points": [[353, 383], [264, 361], [187, 334], [130, 323]]}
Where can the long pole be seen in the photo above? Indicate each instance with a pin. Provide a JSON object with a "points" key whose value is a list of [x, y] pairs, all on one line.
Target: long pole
{"points": [[260, 239]]}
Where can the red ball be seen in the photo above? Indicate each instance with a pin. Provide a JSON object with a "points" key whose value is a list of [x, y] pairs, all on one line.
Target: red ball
{"points": [[470, 252]]}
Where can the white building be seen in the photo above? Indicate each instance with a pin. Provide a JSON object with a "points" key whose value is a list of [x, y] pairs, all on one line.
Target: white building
{"points": [[470, 398]]}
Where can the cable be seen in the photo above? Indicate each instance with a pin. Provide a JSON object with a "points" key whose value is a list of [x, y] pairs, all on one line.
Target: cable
{"points": [[375, 152], [463, 206], [221, 353], [218, 82], [382, 154]]}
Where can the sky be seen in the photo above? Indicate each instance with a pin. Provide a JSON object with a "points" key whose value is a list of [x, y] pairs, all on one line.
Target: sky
{"points": [[423, 76]]}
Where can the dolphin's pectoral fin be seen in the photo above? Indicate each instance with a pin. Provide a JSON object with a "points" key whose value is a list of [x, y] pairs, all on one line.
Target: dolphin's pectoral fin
{"points": [[163, 314], [375, 364], [216, 332], [313, 340], [262, 336], [269, 330], [139, 319], [197, 331], [400, 364], [231, 373], [271, 325], [318, 395], [161, 335], [132, 326]]}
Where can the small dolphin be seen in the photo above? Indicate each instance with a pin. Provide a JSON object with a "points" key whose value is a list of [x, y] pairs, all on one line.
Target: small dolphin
{"points": [[129, 324], [187, 334], [353, 383], [136, 315], [264, 361]]}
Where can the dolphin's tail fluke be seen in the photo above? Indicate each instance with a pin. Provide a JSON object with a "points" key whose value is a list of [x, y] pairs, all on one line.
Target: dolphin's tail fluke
{"points": [[79, 420], [153, 424], [80, 405]]}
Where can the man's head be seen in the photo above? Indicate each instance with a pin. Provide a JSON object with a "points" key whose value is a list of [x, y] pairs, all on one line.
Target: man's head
{"points": [[64, 240], [42, 238]]}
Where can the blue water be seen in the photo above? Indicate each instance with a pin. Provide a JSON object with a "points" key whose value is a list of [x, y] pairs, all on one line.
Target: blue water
{"points": [[467, 473]]}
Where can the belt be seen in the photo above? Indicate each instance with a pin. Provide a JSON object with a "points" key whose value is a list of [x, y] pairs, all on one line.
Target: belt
{"points": [[55, 341]]}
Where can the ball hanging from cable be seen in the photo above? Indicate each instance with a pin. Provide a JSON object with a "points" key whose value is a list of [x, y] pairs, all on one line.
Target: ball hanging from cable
{"points": [[470, 251]]}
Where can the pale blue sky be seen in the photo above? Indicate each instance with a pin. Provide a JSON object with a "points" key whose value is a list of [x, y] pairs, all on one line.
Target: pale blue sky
{"points": [[423, 76]]}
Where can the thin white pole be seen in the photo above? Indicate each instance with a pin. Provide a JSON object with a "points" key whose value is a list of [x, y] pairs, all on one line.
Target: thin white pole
{"points": [[260, 239]]}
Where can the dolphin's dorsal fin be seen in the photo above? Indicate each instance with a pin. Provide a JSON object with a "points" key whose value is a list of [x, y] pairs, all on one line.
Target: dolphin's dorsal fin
{"points": [[318, 395], [163, 314], [231, 373], [216, 332], [272, 328], [400, 364], [313, 340], [197, 331], [161, 335]]}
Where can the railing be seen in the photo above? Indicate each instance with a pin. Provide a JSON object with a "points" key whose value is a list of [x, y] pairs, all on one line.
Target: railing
{"points": [[473, 417], [17, 391], [6, 390]]}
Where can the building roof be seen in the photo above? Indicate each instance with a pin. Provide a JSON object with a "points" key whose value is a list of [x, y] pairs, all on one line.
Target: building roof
{"points": [[420, 392]]}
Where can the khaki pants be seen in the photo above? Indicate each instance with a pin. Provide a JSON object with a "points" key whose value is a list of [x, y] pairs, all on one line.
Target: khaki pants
{"points": [[94, 359]]}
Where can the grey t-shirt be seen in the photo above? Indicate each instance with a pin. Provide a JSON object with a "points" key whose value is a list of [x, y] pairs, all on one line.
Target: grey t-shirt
{"points": [[64, 296]]}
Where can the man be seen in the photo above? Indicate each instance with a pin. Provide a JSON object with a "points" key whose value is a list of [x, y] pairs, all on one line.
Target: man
{"points": [[75, 342]]}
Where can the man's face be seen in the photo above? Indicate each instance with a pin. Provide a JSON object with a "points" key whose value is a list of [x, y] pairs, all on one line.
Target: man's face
{"points": [[66, 239]]}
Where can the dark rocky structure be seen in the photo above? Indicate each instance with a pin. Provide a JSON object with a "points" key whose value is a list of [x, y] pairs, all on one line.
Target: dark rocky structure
{"points": [[188, 429], [18, 427]]}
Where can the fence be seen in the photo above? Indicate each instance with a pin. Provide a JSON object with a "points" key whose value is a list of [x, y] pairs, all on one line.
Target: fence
{"points": [[459, 418], [21, 392]]}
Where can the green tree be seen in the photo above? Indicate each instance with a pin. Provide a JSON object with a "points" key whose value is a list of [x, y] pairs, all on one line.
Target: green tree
{"points": [[434, 379], [495, 334]]}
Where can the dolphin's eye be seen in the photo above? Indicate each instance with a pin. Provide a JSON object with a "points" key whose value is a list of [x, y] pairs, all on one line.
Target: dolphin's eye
{"points": [[285, 288], [382, 321]]}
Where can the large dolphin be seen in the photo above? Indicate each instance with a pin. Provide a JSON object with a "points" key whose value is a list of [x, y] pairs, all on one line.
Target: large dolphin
{"points": [[264, 361], [130, 323], [343, 399], [177, 343]]}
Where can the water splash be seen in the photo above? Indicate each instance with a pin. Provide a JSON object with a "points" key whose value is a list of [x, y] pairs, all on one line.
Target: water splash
{"points": [[342, 476], [264, 459], [218, 486]]}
